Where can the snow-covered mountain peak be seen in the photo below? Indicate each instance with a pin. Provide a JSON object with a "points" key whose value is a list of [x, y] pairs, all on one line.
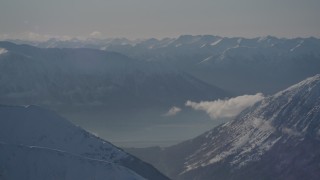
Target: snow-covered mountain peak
{"points": [[309, 84], [290, 115], [277, 138]]}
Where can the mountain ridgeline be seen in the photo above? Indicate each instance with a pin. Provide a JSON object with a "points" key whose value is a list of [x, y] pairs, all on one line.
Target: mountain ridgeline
{"points": [[88, 77], [239, 65], [277, 138]]}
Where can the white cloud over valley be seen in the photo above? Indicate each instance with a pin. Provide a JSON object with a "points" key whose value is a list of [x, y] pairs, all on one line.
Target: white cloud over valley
{"points": [[226, 108]]}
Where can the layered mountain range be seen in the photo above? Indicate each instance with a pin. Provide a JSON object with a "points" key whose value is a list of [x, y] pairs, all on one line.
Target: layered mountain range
{"points": [[240, 65], [116, 96], [113, 85], [134, 83], [31, 75], [277, 138]]}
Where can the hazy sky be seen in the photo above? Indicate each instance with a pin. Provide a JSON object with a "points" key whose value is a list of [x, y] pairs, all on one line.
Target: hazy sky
{"points": [[161, 18]]}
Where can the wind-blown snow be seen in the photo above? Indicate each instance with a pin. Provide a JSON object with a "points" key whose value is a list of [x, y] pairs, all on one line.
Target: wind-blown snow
{"points": [[206, 59], [216, 42], [297, 46]]}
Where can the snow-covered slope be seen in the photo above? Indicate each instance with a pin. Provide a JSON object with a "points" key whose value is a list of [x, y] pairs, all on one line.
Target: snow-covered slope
{"points": [[292, 113], [277, 138], [31, 162], [34, 126]]}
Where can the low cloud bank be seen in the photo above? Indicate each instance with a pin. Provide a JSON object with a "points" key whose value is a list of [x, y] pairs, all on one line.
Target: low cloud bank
{"points": [[226, 108]]}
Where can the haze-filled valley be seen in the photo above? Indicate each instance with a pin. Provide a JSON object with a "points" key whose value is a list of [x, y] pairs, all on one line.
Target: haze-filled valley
{"points": [[159, 90], [99, 89], [160, 93], [124, 90]]}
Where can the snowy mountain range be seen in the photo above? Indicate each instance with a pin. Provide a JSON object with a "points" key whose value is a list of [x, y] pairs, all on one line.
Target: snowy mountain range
{"points": [[31, 75], [277, 138], [119, 83], [38, 144], [240, 65]]}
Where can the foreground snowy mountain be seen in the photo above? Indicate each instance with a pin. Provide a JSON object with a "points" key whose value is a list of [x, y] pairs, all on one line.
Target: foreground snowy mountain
{"points": [[31, 162], [39, 130], [277, 138]]}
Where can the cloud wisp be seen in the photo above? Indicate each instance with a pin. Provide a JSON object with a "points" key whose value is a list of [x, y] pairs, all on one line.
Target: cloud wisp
{"points": [[226, 108], [173, 111], [95, 34], [3, 51]]}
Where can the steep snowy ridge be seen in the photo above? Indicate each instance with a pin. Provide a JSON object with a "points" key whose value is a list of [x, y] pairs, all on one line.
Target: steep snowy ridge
{"points": [[292, 113], [277, 138], [306, 86], [29, 163], [35, 127]]}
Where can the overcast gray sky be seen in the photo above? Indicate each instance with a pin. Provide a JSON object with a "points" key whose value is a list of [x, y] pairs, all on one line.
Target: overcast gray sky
{"points": [[162, 18]]}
